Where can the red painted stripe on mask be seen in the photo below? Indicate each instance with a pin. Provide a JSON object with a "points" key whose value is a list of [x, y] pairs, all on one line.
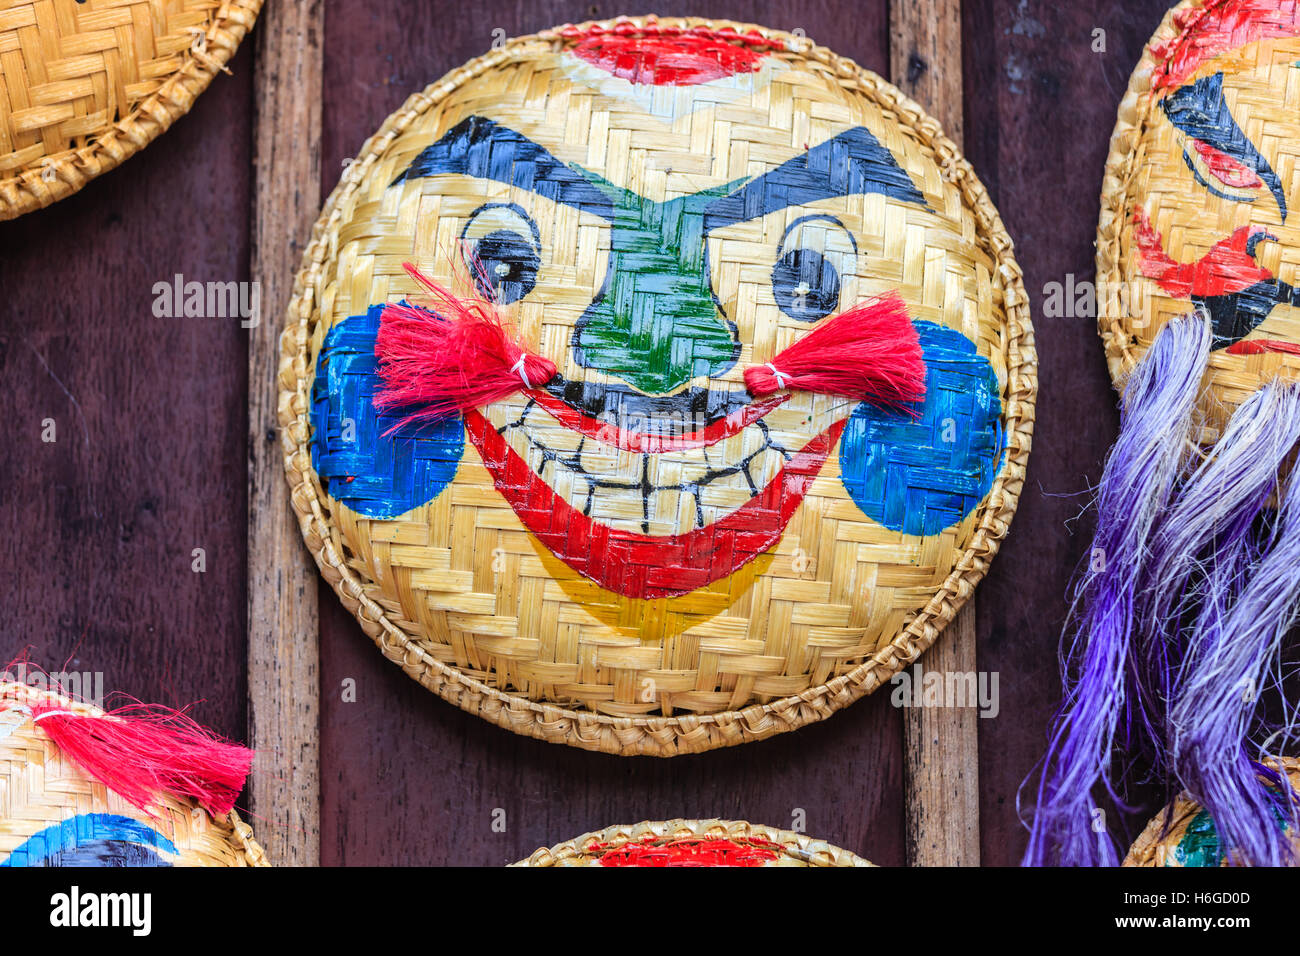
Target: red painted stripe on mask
{"points": [[1207, 32], [690, 851], [1225, 269], [641, 565], [667, 56]]}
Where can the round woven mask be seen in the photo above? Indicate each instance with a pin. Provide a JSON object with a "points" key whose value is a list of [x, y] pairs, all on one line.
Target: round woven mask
{"points": [[53, 814], [637, 554], [1198, 201], [694, 843], [85, 84]]}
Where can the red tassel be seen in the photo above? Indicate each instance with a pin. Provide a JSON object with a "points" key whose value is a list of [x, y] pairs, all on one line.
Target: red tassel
{"points": [[871, 352], [140, 751], [450, 361]]}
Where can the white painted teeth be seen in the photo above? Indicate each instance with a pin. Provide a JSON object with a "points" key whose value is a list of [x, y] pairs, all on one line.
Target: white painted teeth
{"points": [[663, 493]]}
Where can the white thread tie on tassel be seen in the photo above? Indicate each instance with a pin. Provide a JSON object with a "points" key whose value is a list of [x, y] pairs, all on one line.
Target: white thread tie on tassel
{"points": [[55, 713], [780, 379], [518, 369]]}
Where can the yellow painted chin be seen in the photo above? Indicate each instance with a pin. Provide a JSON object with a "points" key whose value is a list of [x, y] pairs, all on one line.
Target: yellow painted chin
{"points": [[654, 620]]}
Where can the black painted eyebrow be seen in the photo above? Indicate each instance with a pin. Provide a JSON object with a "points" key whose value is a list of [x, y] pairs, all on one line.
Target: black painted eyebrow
{"points": [[485, 149], [852, 163]]}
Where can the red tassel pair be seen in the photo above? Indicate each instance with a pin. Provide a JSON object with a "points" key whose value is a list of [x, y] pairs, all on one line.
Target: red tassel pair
{"points": [[140, 751], [871, 353], [464, 358]]}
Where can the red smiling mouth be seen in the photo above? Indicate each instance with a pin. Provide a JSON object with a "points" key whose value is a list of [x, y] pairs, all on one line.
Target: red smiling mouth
{"points": [[434, 365], [640, 565]]}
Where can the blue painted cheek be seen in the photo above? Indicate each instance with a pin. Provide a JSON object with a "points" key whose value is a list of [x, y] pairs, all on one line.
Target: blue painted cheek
{"points": [[375, 475], [93, 839], [923, 475]]}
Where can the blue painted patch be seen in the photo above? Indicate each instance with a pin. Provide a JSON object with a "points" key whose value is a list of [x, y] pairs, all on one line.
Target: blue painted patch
{"points": [[375, 475], [93, 839], [923, 475]]}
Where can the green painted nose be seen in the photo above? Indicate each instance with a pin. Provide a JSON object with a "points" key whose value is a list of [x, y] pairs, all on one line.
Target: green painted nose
{"points": [[655, 323]]}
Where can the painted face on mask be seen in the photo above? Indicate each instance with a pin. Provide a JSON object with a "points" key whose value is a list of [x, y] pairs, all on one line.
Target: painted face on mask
{"points": [[1210, 220], [1184, 834], [653, 213]]}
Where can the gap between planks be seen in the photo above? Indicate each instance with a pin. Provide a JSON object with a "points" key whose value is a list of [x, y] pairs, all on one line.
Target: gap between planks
{"points": [[283, 625], [940, 744]]}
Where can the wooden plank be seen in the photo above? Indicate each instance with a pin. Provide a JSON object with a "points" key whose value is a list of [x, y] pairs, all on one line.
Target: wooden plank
{"points": [[941, 745], [925, 58], [283, 625]]}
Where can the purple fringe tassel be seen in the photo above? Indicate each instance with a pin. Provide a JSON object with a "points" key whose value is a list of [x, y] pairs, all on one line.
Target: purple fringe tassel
{"points": [[1179, 621], [1250, 599], [1068, 827]]}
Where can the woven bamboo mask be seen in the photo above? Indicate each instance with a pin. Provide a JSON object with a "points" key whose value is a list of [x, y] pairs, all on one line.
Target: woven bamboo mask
{"points": [[638, 554], [1182, 612], [85, 84], [1197, 206], [53, 814], [694, 843]]}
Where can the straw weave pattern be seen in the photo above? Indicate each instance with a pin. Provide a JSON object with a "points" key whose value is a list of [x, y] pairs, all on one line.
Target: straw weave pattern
{"points": [[1189, 220], [794, 849], [1161, 836]]}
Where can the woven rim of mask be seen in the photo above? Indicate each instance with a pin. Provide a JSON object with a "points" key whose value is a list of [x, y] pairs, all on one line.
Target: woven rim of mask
{"points": [[1155, 841], [51, 176], [689, 733], [230, 830], [798, 849]]}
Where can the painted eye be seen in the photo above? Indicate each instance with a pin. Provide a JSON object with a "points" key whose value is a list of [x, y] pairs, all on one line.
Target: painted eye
{"points": [[1222, 158], [806, 286], [814, 254], [501, 248]]}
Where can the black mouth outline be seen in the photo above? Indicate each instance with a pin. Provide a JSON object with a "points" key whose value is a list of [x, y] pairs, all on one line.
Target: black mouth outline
{"points": [[1234, 315]]}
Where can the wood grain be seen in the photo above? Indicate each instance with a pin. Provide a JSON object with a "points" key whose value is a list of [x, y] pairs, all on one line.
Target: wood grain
{"points": [[941, 748], [925, 58], [283, 625]]}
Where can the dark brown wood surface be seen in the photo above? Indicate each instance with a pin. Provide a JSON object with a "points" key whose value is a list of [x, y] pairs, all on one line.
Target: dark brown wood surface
{"points": [[151, 456]]}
